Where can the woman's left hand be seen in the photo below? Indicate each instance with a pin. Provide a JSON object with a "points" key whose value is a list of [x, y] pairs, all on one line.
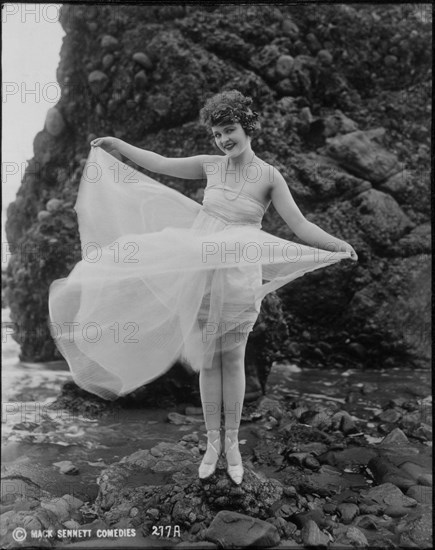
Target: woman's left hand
{"points": [[346, 247]]}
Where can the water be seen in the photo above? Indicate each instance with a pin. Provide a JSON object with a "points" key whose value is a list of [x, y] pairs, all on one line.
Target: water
{"points": [[35, 438]]}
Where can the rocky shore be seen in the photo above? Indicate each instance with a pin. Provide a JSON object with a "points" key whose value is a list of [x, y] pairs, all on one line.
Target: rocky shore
{"points": [[317, 476], [343, 93], [344, 96]]}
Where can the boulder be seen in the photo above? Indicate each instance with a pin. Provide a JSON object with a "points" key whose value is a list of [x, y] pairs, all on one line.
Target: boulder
{"points": [[380, 217], [391, 498], [234, 530], [361, 156], [54, 122]]}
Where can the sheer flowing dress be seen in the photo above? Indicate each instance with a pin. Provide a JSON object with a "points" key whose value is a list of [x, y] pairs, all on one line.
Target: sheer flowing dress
{"points": [[163, 278]]}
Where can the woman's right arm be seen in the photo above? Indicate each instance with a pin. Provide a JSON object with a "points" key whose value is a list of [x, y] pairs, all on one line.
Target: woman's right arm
{"points": [[195, 167]]}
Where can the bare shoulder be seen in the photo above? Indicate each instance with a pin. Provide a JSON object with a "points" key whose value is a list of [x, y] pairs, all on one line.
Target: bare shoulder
{"points": [[269, 174]]}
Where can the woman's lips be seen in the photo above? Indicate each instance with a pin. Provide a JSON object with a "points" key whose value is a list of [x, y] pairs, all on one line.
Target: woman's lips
{"points": [[229, 147]]}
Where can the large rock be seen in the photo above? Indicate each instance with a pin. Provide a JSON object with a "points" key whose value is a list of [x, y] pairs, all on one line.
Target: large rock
{"points": [[161, 484], [233, 530], [185, 62], [391, 498], [54, 123], [381, 219], [362, 157]]}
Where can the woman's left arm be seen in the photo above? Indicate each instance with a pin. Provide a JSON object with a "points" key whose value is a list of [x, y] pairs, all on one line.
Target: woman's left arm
{"points": [[308, 232]]}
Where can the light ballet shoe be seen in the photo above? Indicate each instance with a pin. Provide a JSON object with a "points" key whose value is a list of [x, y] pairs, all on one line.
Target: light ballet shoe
{"points": [[206, 469], [235, 471]]}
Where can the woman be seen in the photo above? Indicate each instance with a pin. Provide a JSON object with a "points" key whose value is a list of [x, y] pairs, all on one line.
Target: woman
{"points": [[202, 274]]}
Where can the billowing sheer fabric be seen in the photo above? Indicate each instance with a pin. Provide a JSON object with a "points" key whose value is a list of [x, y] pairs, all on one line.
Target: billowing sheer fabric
{"points": [[163, 278]]}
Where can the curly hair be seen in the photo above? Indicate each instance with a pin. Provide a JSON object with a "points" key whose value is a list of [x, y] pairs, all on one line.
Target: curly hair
{"points": [[229, 107]]}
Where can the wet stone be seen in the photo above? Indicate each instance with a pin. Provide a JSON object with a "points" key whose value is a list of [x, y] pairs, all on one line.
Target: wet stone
{"points": [[329, 508], [312, 536], [98, 81], [357, 537], [347, 511], [390, 415], [391, 498], [375, 509], [301, 519], [425, 479], [109, 42], [344, 422], [395, 437], [143, 60], [420, 493], [418, 532], [231, 529]]}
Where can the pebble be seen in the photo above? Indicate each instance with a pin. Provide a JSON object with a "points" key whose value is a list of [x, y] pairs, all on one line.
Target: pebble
{"points": [[375, 509], [311, 463], [192, 438], [343, 421], [53, 204], [313, 536], [390, 415], [347, 511], [289, 28], [59, 507], [98, 81], [290, 491], [71, 524], [329, 508], [66, 467], [395, 437], [390, 60], [357, 536], [73, 502], [143, 60], [155, 451], [109, 42], [108, 61], [140, 79], [324, 57], [284, 66]]}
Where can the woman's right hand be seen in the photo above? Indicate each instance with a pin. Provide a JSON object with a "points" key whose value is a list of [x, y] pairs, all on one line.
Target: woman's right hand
{"points": [[106, 143]]}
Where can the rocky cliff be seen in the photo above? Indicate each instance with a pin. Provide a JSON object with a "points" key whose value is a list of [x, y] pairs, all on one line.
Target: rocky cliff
{"points": [[344, 92]]}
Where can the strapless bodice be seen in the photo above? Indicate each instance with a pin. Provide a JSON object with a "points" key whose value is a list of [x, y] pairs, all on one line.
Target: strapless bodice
{"points": [[233, 207]]}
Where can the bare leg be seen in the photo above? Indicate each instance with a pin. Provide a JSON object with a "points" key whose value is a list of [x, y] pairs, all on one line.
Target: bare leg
{"points": [[234, 383], [210, 383]]}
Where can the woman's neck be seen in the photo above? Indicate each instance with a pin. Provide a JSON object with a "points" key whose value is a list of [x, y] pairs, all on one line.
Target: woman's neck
{"points": [[246, 156]]}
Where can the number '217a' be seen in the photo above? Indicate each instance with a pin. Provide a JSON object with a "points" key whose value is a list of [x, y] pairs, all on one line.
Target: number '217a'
{"points": [[166, 530]]}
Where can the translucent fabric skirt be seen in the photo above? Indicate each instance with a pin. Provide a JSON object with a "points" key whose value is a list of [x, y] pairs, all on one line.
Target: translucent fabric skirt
{"points": [[160, 280]]}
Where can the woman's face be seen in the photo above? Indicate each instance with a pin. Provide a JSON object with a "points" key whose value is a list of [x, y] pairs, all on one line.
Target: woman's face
{"points": [[231, 138]]}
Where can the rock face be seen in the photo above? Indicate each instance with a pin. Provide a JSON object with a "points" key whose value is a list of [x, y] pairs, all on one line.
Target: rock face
{"points": [[332, 125]]}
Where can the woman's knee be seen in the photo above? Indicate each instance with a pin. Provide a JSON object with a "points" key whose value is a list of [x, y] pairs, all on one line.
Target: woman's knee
{"points": [[234, 359]]}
